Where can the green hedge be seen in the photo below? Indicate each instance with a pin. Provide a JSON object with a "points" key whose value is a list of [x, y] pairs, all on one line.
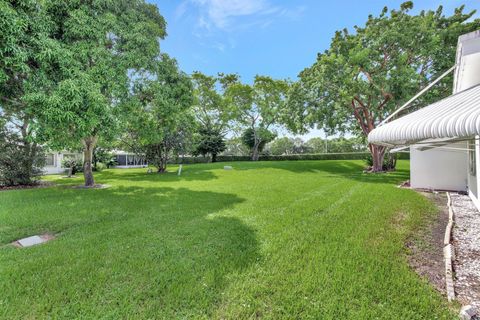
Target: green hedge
{"points": [[318, 156]]}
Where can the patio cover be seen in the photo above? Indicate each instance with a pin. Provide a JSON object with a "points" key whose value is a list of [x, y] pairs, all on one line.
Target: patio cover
{"points": [[455, 117]]}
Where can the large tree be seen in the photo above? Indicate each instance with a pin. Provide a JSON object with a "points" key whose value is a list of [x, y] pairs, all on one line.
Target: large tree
{"points": [[104, 42], [288, 145], [257, 107], [29, 61], [212, 114], [159, 114], [209, 106], [256, 140], [368, 73], [209, 142], [284, 145]]}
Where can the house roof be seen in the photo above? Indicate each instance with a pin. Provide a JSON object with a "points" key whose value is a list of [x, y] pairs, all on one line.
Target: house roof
{"points": [[455, 117]]}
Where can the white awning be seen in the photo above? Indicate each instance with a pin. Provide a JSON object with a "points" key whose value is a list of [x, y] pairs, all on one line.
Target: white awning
{"points": [[455, 117]]}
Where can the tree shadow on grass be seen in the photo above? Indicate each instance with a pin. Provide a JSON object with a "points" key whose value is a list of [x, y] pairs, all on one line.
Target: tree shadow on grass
{"points": [[129, 252], [349, 169]]}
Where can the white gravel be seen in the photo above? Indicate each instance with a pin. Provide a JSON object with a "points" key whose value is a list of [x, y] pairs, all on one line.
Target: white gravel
{"points": [[466, 240]]}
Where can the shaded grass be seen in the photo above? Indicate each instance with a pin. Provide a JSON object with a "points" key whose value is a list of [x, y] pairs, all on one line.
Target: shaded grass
{"points": [[300, 239]]}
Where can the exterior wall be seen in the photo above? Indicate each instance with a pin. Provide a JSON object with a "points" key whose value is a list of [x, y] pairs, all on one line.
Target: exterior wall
{"points": [[466, 76], [473, 172], [56, 168], [58, 158], [439, 169], [468, 62], [129, 160]]}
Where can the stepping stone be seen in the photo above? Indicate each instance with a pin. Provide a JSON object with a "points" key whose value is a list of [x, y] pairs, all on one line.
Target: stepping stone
{"points": [[31, 241], [227, 167]]}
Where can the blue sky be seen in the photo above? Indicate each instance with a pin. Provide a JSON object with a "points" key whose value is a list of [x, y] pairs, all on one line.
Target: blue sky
{"points": [[278, 38]]}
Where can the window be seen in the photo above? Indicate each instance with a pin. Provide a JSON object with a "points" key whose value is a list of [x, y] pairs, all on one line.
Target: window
{"points": [[472, 158], [121, 159], [50, 160], [130, 160]]}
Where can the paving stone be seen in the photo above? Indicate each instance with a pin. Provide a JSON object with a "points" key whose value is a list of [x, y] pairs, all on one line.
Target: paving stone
{"points": [[31, 241]]}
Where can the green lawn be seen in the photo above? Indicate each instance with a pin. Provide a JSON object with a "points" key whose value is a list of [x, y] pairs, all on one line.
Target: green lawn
{"points": [[273, 240]]}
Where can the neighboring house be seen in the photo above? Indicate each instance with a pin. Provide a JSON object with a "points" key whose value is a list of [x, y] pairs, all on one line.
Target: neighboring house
{"points": [[129, 160], [444, 137], [54, 161]]}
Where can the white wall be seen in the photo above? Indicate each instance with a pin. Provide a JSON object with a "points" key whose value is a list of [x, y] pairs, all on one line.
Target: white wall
{"points": [[57, 162], [57, 165], [466, 76], [439, 169], [473, 178]]}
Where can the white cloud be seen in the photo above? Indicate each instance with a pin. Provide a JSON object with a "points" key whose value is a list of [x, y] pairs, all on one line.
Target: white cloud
{"points": [[225, 14], [215, 23], [221, 12]]}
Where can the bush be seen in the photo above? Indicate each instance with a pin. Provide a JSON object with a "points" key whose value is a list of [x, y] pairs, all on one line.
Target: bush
{"points": [[211, 142], [101, 166], [101, 155], [20, 163], [318, 156], [191, 160], [389, 161], [74, 164]]}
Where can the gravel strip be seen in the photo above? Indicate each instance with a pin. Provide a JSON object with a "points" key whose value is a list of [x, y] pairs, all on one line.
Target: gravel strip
{"points": [[466, 240]]}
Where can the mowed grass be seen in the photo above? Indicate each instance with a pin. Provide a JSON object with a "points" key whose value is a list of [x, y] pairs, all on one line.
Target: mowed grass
{"points": [[272, 240]]}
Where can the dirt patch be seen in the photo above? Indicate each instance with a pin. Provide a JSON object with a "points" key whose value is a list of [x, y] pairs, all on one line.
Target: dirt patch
{"points": [[40, 184], [426, 246], [405, 184]]}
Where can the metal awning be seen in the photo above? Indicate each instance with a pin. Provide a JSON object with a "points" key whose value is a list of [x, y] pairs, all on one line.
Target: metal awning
{"points": [[455, 117]]}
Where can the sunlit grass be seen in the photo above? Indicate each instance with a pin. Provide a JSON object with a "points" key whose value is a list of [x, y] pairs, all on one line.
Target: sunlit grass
{"points": [[305, 240]]}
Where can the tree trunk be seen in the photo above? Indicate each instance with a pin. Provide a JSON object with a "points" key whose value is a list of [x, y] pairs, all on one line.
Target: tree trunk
{"points": [[255, 153], [214, 157], [256, 145], [88, 146], [162, 168], [378, 154]]}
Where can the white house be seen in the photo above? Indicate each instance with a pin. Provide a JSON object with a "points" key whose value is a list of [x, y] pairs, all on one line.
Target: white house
{"points": [[443, 137], [129, 160], [54, 160]]}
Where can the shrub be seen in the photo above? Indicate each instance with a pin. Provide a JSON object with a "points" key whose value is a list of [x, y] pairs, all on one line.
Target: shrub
{"points": [[290, 157], [210, 141], [101, 166], [74, 164], [389, 161], [101, 155], [21, 163]]}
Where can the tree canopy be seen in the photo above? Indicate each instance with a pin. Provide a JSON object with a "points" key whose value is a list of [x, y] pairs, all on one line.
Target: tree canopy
{"points": [[210, 108], [368, 73], [258, 107], [209, 142], [101, 43], [29, 60], [159, 112]]}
